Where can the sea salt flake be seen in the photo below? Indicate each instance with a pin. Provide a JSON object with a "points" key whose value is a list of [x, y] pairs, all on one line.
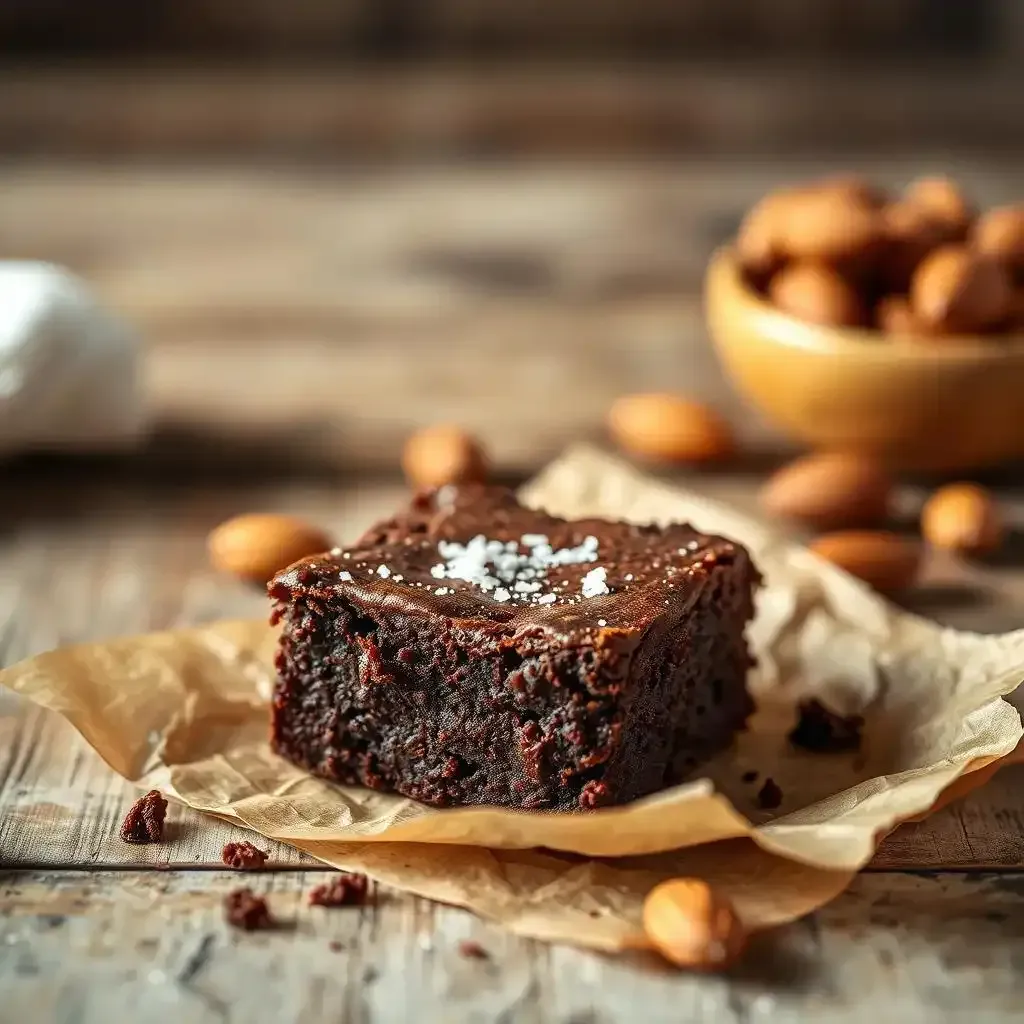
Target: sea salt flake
{"points": [[547, 599], [383, 572], [593, 584], [335, 552], [437, 571], [533, 540], [602, 622], [501, 594], [344, 576], [441, 591]]}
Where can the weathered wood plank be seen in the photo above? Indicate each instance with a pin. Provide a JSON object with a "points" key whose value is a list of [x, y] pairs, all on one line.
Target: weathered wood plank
{"points": [[535, 109], [519, 301], [84, 947]]}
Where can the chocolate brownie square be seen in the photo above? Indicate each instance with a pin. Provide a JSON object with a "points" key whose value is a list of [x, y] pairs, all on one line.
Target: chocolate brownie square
{"points": [[470, 650]]}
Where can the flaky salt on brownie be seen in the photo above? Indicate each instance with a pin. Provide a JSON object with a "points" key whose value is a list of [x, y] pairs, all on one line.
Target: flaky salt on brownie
{"points": [[470, 650]]}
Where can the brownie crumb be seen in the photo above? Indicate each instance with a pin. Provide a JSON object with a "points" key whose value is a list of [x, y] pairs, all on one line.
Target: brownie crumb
{"points": [[243, 856], [769, 796], [823, 731], [473, 950], [344, 890], [335, 946], [749, 776], [244, 909], [144, 822]]}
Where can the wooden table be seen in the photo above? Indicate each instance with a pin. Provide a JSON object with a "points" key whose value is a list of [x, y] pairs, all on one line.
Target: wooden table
{"points": [[336, 310]]}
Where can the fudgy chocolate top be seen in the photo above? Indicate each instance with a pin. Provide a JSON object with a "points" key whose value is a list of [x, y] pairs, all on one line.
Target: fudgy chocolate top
{"points": [[474, 553]]}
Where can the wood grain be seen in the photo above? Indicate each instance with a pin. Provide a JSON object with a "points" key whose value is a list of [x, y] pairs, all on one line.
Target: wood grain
{"points": [[313, 317], [83, 947], [540, 109]]}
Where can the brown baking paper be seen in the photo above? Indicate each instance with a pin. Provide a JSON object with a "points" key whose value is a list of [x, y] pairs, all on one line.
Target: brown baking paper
{"points": [[185, 712]]}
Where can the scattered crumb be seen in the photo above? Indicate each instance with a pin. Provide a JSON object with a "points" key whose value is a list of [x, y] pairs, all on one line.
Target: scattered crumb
{"points": [[144, 822], [344, 890], [244, 909], [769, 796], [473, 950], [243, 856], [750, 776], [824, 731], [335, 946]]}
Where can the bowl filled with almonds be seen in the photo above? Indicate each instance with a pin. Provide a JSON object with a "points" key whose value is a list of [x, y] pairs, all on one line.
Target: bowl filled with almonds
{"points": [[892, 326]]}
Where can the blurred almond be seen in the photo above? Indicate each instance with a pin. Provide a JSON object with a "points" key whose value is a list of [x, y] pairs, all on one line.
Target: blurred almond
{"points": [[669, 428], [893, 315], [829, 227], [962, 517], [757, 241], [883, 560], [958, 291], [443, 454], [817, 294], [999, 233], [256, 546], [829, 490], [693, 926], [910, 233], [944, 200]]}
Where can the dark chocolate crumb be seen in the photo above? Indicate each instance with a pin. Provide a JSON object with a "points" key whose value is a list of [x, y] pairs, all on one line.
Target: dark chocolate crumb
{"points": [[749, 776], [823, 731], [244, 909], [144, 822], [335, 946], [243, 856], [769, 796], [344, 890], [473, 950]]}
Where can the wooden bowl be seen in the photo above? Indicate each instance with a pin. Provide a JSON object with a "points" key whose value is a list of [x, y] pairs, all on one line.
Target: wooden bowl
{"points": [[917, 404]]}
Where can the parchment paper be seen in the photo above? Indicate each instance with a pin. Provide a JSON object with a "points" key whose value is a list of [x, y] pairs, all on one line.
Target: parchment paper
{"points": [[185, 712]]}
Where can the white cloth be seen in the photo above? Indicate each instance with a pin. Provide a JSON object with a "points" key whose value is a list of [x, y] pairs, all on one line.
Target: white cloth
{"points": [[69, 371]]}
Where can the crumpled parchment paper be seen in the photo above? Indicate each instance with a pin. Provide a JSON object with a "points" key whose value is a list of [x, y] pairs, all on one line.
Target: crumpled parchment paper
{"points": [[185, 712]]}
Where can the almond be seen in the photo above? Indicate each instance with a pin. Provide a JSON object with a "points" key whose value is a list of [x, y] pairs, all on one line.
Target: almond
{"points": [[829, 490], [443, 454], [829, 227], [943, 200], [910, 232], [817, 294], [999, 233], [757, 241], [258, 545], [693, 926], [893, 315], [886, 561], [957, 291], [669, 428], [962, 517]]}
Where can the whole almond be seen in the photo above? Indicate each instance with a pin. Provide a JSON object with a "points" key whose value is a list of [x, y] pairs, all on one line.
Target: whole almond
{"points": [[944, 200], [910, 233], [757, 241], [957, 291], [885, 561], [893, 315], [817, 294], [693, 926], [829, 227], [999, 233], [851, 186], [669, 428], [962, 517], [443, 454], [829, 490], [256, 546]]}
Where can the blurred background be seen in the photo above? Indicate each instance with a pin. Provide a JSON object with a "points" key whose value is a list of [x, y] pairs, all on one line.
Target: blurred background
{"points": [[333, 221]]}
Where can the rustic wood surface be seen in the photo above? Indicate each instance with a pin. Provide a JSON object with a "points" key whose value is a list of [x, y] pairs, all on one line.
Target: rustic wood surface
{"points": [[338, 310]]}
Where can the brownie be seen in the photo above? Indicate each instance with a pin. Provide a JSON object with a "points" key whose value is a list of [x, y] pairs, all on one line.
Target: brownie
{"points": [[470, 650]]}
